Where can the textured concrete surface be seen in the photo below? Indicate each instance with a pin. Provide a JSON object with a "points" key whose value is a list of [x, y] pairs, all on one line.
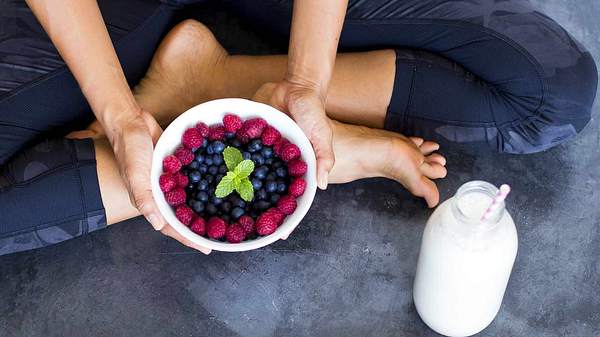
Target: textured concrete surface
{"points": [[346, 271]]}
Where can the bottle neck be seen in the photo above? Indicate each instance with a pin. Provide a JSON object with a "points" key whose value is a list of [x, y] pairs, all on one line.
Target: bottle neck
{"points": [[470, 203]]}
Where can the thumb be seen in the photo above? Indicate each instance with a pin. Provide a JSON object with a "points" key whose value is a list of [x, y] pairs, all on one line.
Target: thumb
{"points": [[264, 93], [144, 202]]}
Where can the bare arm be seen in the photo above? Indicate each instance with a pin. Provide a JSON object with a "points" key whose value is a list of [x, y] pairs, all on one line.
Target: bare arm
{"points": [[78, 31]]}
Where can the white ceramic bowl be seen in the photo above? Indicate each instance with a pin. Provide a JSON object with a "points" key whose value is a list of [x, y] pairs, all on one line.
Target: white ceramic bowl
{"points": [[212, 113]]}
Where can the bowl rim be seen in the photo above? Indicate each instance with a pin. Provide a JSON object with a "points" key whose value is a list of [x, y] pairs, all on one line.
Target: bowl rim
{"points": [[222, 107]]}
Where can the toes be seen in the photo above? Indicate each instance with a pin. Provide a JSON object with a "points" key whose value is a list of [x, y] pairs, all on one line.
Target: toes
{"points": [[436, 158], [417, 140], [426, 189], [433, 170], [429, 147]]}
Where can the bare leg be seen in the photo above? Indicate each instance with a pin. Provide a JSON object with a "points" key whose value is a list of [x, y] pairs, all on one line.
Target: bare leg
{"points": [[191, 67]]}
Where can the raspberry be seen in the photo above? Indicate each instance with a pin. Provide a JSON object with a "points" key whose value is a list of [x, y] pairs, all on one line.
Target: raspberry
{"points": [[192, 138], [279, 145], [175, 197], [275, 214], [171, 164], [181, 179], [166, 182], [297, 167], [203, 129], [235, 233], [198, 226], [184, 155], [286, 204], [217, 133], [297, 187], [289, 151], [216, 228], [270, 136], [247, 224], [232, 123], [184, 214], [253, 128], [266, 224]]}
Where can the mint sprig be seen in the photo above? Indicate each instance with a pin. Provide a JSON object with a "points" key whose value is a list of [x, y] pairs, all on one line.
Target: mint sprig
{"points": [[237, 179]]}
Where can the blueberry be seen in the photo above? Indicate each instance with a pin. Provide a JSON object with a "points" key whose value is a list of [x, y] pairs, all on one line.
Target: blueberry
{"points": [[261, 172], [218, 146], [262, 204], [271, 176], [202, 196], [209, 179], [269, 161], [209, 150], [255, 145], [246, 155], [229, 135], [261, 194], [199, 158], [218, 178], [197, 206], [211, 209], [256, 183], [208, 161], [217, 159], [235, 143], [271, 186], [195, 176], [223, 169], [267, 152], [258, 159], [281, 172], [204, 143], [225, 218], [194, 165], [202, 184], [281, 188], [226, 206], [203, 168], [216, 200], [213, 170], [237, 201], [277, 164], [237, 212], [274, 198]]}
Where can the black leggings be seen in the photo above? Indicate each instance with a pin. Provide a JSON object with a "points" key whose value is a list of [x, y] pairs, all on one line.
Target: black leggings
{"points": [[496, 74]]}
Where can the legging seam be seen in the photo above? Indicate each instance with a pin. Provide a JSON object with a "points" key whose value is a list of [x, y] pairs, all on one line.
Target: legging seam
{"points": [[18, 126], [75, 161], [463, 24], [64, 68], [18, 184]]}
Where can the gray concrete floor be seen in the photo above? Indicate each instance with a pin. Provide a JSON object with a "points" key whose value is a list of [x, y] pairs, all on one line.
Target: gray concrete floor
{"points": [[346, 271]]}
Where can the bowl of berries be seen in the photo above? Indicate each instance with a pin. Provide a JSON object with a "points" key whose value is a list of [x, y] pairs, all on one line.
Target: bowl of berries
{"points": [[233, 174]]}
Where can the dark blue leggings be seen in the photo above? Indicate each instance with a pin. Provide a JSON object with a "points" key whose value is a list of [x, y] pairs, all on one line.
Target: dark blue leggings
{"points": [[496, 74]]}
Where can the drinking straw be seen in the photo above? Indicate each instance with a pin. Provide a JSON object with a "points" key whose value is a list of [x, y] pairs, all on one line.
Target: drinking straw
{"points": [[498, 199]]}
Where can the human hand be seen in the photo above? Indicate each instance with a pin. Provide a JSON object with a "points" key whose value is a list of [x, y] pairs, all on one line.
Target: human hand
{"points": [[307, 107], [133, 139]]}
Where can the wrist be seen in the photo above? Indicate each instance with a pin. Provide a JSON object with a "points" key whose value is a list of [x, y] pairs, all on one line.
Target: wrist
{"points": [[114, 116]]}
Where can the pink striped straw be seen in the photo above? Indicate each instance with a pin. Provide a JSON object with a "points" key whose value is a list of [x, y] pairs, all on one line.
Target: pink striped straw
{"points": [[498, 199]]}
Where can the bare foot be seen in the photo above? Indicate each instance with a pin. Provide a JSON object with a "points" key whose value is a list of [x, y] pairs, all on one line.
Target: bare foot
{"points": [[187, 68], [362, 152]]}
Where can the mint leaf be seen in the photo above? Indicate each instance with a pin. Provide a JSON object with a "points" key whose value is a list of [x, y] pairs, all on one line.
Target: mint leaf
{"points": [[232, 157], [244, 168], [245, 190], [227, 185]]}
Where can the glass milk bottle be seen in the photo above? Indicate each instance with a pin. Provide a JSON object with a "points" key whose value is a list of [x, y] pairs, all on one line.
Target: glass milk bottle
{"points": [[465, 263]]}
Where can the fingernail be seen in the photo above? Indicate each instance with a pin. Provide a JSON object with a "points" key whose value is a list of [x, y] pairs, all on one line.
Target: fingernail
{"points": [[206, 251], [155, 222]]}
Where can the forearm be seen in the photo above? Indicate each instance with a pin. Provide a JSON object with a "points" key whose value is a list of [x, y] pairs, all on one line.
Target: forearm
{"points": [[316, 27], [78, 31]]}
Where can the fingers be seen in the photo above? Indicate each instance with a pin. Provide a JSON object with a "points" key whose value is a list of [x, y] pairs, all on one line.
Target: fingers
{"points": [[325, 157], [143, 200], [82, 134], [429, 147], [169, 231], [417, 140], [436, 158], [153, 126]]}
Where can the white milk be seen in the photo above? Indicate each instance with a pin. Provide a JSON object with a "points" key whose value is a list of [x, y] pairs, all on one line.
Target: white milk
{"points": [[464, 264]]}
